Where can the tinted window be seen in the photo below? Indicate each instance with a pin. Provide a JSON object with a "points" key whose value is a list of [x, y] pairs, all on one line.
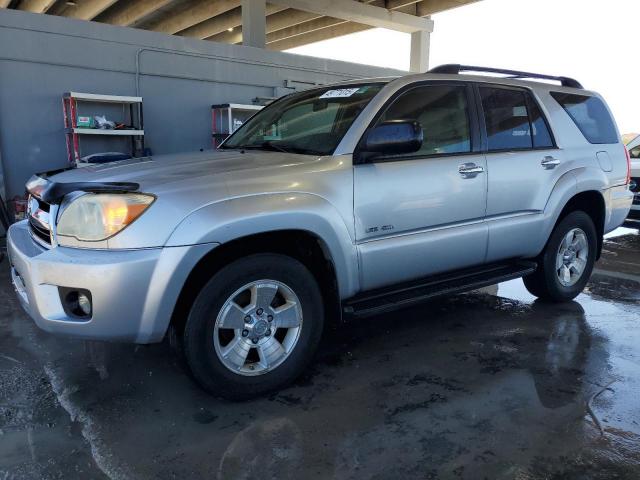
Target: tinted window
{"points": [[506, 119], [513, 120], [590, 116], [539, 129], [442, 112], [635, 152]]}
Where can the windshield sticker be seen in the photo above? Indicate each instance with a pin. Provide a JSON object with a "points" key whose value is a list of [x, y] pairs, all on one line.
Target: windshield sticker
{"points": [[339, 93]]}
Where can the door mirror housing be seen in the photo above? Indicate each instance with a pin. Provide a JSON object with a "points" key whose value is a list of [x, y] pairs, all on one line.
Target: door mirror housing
{"points": [[395, 137]]}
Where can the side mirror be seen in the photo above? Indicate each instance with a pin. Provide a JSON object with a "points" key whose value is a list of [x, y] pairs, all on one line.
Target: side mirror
{"points": [[393, 138]]}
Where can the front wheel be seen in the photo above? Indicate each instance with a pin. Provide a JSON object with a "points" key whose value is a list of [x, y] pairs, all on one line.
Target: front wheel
{"points": [[567, 261], [254, 326]]}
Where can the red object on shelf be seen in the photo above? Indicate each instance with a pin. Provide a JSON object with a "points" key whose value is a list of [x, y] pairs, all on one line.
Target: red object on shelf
{"points": [[69, 111]]}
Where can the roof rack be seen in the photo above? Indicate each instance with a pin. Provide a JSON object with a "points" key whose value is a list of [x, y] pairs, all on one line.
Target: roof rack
{"points": [[455, 69]]}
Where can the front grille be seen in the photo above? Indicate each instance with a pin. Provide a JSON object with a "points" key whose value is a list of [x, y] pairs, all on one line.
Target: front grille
{"points": [[40, 232], [38, 215], [636, 199]]}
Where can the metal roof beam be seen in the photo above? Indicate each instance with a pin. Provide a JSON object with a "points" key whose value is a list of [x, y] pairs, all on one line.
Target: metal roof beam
{"points": [[304, 28], [324, 28], [36, 6], [128, 12], [335, 30], [196, 12], [290, 22], [278, 21], [436, 6], [82, 10], [224, 22], [357, 12]]}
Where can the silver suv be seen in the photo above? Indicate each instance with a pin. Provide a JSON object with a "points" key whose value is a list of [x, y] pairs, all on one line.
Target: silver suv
{"points": [[351, 199]]}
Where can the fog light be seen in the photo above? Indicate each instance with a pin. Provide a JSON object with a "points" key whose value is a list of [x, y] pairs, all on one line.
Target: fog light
{"points": [[84, 303], [76, 303]]}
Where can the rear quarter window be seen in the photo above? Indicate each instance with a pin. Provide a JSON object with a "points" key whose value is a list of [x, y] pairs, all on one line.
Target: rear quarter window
{"points": [[590, 115]]}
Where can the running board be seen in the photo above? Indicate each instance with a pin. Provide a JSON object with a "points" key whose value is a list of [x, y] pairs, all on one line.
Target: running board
{"points": [[400, 296]]}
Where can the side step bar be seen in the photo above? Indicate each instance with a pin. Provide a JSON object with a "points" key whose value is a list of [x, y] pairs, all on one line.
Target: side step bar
{"points": [[400, 296]]}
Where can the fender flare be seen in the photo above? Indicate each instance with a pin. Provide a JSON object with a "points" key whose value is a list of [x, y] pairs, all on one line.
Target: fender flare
{"points": [[572, 183], [235, 218]]}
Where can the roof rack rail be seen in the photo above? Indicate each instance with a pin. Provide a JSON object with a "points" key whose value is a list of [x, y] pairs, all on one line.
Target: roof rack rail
{"points": [[455, 69]]}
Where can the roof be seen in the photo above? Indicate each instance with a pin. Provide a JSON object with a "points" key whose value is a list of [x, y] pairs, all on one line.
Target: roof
{"points": [[221, 20], [539, 84]]}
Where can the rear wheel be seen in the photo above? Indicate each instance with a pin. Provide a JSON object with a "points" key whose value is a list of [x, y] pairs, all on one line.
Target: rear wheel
{"points": [[254, 326], [564, 267]]}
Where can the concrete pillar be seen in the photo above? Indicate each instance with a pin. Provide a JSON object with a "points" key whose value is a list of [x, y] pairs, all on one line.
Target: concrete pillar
{"points": [[254, 19], [420, 51]]}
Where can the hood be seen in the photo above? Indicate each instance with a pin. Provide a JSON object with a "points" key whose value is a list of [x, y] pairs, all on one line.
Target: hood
{"points": [[154, 173], [185, 183]]}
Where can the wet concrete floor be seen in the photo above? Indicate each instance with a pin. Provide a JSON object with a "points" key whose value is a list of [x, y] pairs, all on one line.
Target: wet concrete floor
{"points": [[485, 385]]}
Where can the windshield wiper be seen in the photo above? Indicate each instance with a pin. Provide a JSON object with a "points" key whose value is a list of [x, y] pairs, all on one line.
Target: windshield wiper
{"points": [[265, 146], [276, 147]]}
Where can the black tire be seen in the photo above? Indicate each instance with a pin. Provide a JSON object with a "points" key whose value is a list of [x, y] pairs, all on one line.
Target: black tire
{"points": [[199, 350], [544, 282]]}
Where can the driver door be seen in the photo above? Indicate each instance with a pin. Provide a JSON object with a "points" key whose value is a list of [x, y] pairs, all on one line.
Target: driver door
{"points": [[423, 213]]}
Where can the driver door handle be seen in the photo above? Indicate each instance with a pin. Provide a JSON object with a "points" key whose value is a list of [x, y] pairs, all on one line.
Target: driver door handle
{"points": [[549, 162], [470, 170]]}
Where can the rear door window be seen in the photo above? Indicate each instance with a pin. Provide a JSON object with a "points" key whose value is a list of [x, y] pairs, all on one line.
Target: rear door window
{"points": [[513, 120], [590, 115], [539, 128]]}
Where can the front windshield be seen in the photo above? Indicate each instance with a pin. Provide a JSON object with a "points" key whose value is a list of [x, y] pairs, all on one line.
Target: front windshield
{"points": [[311, 122]]}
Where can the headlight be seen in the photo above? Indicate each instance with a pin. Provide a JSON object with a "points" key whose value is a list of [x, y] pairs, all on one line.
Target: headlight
{"points": [[96, 216]]}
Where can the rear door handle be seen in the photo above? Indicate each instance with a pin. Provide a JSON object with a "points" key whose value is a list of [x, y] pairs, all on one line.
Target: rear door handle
{"points": [[470, 170], [549, 162]]}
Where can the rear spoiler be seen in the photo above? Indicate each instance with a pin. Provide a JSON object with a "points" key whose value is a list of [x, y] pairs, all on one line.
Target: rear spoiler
{"points": [[53, 192]]}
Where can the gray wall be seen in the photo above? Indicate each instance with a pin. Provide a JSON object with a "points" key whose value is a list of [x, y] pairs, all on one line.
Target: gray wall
{"points": [[43, 56]]}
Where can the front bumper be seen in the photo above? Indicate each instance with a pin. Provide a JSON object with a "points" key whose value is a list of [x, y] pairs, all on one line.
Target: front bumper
{"points": [[133, 291]]}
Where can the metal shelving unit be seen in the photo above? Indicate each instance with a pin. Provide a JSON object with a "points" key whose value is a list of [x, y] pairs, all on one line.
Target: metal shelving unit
{"points": [[70, 108], [227, 117]]}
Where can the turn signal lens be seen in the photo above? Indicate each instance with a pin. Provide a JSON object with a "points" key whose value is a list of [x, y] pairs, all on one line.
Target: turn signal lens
{"points": [[94, 217]]}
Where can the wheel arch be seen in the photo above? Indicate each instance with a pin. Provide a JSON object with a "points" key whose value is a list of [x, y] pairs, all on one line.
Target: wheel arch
{"points": [[593, 204], [302, 245]]}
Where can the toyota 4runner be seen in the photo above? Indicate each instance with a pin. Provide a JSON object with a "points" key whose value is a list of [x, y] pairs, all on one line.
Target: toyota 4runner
{"points": [[351, 199]]}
